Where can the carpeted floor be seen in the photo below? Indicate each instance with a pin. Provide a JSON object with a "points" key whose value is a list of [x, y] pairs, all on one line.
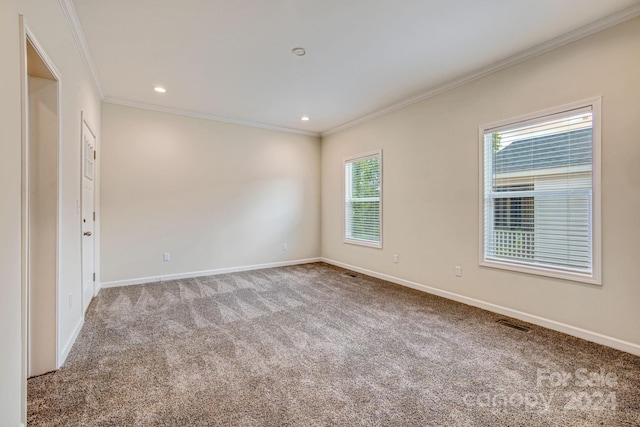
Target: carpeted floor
{"points": [[312, 345]]}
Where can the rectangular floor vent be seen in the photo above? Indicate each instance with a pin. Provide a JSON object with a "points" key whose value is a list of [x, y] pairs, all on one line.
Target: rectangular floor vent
{"points": [[351, 274], [510, 324]]}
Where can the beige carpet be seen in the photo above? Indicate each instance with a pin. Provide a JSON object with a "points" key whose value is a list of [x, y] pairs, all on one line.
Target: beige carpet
{"points": [[311, 345]]}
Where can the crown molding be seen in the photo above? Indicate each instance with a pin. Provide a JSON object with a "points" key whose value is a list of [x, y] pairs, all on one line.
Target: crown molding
{"points": [[582, 32], [78, 34], [198, 115]]}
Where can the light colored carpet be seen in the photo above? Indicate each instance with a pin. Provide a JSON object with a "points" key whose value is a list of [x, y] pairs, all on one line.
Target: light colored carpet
{"points": [[311, 345]]}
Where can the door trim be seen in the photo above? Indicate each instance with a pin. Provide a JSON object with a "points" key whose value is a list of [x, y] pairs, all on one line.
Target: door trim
{"points": [[26, 35]]}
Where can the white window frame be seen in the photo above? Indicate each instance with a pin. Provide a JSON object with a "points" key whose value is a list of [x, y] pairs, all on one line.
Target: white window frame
{"points": [[351, 159], [595, 277]]}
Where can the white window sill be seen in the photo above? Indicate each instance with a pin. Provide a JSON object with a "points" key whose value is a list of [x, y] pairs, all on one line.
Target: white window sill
{"points": [[367, 243], [591, 279]]}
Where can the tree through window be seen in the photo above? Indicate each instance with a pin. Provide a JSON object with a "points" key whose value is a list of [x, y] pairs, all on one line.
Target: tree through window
{"points": [[363, 199]]}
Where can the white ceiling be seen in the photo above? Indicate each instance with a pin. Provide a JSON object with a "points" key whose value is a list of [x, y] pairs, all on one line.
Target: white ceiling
{"points": [[232, 58]]}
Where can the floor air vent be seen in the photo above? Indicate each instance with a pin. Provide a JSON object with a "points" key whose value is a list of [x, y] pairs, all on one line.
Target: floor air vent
{"points": [[508, 323], [351, 274]]}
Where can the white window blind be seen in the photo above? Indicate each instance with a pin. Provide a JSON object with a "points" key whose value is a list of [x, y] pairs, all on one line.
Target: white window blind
{"points": [[538, 192], [363, 199]]}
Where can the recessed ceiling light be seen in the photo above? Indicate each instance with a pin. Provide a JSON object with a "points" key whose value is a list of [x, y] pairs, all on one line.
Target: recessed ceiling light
{"points": [[298, 51], [304, 118], [159, 89]]}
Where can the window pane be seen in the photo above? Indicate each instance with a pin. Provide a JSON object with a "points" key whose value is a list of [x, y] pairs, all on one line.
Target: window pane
{"points": [[538, 192], [365, 178], [365, 220]]}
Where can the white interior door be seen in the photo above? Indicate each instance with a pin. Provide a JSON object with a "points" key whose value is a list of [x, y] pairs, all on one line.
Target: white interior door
{"points": [[88, 215]]}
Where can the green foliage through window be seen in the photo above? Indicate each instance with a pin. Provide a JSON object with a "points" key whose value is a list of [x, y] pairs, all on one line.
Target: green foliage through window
{"points": [[362, 199]]}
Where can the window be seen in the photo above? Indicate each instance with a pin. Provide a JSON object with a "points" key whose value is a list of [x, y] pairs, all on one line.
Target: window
{"points": [[363, 199], [514, 213], [513, 223], [540, 182]]}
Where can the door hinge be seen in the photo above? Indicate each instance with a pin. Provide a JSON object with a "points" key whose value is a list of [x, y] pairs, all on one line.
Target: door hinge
{"points": [[94, 216], [94, 277], [94, 154]]}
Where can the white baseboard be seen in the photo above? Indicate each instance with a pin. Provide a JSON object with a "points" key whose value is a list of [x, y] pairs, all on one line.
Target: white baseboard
{"points": [[72, 339], [526, 317], [214, 272]]}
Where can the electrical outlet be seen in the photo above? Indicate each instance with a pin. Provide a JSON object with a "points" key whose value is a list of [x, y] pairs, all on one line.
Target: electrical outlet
{"points": [[395, 258], [284, 247], [458, 271], [166, 256]]}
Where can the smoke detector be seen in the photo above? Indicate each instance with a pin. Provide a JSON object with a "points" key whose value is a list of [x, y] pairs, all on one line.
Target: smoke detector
{"points": [[298, 51]]}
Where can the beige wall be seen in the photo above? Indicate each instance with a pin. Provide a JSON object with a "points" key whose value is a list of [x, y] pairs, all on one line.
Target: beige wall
{"points": [[430, 161], [10, 303], [214, 195], [49, 26]]}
